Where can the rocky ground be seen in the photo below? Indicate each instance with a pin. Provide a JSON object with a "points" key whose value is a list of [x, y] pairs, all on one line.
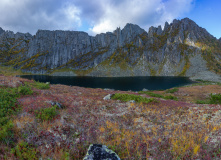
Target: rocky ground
{"points": [[162, 129]]}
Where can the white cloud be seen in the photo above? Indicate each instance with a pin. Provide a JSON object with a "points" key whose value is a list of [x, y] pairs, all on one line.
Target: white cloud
{"points": [[100, 15], [142, 12]]}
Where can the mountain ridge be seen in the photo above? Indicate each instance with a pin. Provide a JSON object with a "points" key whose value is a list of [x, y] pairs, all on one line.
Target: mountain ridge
{"points": [[130, 51]]}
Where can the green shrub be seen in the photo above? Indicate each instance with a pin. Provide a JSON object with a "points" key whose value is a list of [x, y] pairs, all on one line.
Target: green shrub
{"points": [[25, 90], [47, 113], [129, 97], [202, 102], [151, 94], [40, 85], [171, 97], [215, 98], [172, 90], [8, 106], [7, 102], [6, 127], [65, 156], [24, 151]]}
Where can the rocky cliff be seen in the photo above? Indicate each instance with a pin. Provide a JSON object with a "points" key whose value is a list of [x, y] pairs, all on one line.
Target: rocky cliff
{"points": [[181, 48]]}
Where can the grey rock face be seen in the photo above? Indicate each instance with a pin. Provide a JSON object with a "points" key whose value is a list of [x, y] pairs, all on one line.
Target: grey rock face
{"points": [[220, 39], [100, 152], [166, 26], [1, 30], [130, 51]]}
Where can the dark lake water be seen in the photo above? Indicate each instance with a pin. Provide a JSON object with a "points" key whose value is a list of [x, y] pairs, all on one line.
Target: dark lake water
{"points": [[116, 83]]}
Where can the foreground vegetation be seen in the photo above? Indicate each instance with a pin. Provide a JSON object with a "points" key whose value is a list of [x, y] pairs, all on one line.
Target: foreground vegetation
{"points": [[140, 125]]}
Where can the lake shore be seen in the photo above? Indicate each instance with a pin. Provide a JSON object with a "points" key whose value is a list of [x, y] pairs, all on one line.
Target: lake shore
{"points": [[207, 76]]}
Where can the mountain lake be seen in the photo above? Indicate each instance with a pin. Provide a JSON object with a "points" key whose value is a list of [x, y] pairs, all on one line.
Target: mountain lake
{"points": [[116, 83]]}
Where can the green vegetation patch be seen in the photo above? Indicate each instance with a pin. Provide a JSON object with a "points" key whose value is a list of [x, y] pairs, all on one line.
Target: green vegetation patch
{"points": [[151, 94], [8, 107], [171, 97], [8, 100], [172, 90], [6, 128], [40, 85], [159, 95], [214, 99], [9, 71], [25, 90], [47, 114], [202, 102], [129, 97], [24, 151]]}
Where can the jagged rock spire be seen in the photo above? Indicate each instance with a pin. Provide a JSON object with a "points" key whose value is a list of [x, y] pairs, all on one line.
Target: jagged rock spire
{"points": [[1, 30]]}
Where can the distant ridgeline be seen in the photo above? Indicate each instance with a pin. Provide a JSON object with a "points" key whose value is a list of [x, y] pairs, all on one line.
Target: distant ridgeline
{"points": [[182, 48]]}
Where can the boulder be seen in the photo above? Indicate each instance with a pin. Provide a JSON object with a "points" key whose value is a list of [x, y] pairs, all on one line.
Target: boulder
{"points": [[107, 97], [55, 103], [100, 152]]}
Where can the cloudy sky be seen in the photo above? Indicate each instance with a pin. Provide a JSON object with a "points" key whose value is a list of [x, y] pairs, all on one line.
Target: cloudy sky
{"points": [[96, 16]]}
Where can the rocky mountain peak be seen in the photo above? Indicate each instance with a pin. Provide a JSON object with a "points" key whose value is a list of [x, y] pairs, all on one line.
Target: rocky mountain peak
{"points": [[189, 30], [220, 39], [123, 52], [166, 26], [187, 20], [1, 30], [133, 28], [127, 34], [154, 30]]}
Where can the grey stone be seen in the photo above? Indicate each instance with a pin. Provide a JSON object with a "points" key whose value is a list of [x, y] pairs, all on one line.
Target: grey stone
{"points": [[107, 97], [145, 89], [59, 105], [159, 30], [100, 152], [166, 26]]}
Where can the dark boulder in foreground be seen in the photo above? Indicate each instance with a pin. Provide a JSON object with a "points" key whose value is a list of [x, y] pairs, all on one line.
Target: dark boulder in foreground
{"points": [[100, 152]]}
